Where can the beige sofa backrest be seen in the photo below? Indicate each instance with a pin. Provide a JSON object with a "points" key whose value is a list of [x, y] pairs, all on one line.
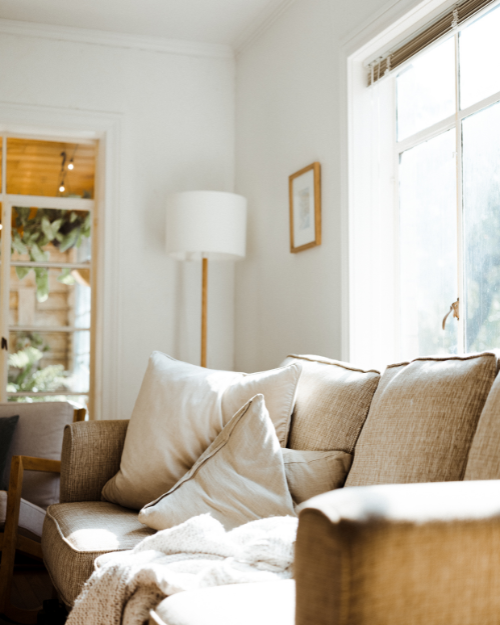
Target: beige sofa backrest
{"points": [[333, 399], [39, 433], [422, 420]]}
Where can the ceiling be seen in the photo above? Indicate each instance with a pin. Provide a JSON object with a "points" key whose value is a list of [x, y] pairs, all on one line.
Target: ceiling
{"points": [[206, 21]]}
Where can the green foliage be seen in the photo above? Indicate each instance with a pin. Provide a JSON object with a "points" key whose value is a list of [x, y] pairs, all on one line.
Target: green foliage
{"points": [[33, 231], [25, 374]]}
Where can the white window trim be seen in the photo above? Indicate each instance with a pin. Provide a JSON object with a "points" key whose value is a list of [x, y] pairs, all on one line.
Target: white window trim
{"points": [[370, 281], [58, 124]]}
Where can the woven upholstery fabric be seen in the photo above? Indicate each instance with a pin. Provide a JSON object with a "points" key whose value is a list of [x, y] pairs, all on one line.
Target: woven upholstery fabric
{"points": [[260, 603], [409, 554], [75, 534], [333, 399], [422, 420], [39, 433], [91, 455], [484, 456], [311, 473]]}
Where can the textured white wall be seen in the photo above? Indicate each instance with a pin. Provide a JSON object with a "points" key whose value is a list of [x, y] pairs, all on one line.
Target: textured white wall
{"points": [[289, 114], [177, 134]]}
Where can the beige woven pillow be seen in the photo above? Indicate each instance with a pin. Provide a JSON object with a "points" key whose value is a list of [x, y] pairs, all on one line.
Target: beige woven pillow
{"points": [[239, 478], [422, 420], [333, 399], [180, 410], [484, 456], [311, 473]]}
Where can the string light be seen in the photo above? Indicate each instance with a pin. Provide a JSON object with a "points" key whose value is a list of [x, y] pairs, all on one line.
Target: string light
{"points": [[71, 165], [62, 188], [1, 226]]}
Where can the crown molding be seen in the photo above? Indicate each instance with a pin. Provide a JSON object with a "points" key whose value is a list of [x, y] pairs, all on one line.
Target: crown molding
{"points": [[115, 40], [262, 22]]}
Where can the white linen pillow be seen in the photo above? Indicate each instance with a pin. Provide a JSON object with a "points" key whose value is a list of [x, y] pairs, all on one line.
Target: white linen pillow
{"points": [[311, 473], [180, 410], [239, 478]]}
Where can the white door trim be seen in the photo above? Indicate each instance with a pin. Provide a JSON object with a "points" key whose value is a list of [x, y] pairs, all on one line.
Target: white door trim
{"points": [[59, 124]]}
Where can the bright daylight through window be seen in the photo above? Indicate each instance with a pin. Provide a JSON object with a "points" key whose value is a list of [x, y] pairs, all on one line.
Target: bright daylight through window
{"points": [[46, 263], [448, 155]]}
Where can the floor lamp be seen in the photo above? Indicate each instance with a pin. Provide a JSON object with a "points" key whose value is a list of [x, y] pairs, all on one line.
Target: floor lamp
{"points": [[203, 225]]}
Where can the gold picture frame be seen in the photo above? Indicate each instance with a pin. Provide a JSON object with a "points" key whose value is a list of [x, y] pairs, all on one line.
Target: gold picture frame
{"points": [[305, 208]]}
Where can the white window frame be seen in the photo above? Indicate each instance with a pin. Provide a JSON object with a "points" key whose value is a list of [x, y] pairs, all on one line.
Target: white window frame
{"points": [[59, 124], [371, 320]]}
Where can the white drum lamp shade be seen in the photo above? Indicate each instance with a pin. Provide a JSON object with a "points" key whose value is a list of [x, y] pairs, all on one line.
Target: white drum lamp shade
{"points": [[206, 224]]}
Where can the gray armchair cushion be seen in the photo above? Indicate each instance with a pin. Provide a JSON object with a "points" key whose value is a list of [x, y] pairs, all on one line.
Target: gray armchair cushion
{"points": [[39, 433]]}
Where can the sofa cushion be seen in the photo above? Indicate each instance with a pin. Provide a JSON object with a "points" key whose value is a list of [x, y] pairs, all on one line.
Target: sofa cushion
{"points": [[239, 478], [39, 433], [422, 420], [180, 410], [30, 517], [484, 456], [75, 534], [333, 399], [311, 473], [262, 603]]}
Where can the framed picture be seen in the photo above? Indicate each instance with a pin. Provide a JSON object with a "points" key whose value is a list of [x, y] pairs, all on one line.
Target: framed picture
{"points": [[305, 208]]}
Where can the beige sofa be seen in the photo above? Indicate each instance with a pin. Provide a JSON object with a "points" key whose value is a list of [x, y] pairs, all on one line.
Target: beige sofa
{"points": [[392, 547]]}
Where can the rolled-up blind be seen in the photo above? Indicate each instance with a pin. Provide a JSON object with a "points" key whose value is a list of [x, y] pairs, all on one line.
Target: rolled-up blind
{"points": [[443, 25]]}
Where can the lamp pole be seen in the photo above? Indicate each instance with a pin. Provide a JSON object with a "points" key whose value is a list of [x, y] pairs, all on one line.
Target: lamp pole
{"points": [[204, 301]]}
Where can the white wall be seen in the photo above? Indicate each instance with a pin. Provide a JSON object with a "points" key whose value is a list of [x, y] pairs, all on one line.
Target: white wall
{"points": [[288, 114], [177, 133]]}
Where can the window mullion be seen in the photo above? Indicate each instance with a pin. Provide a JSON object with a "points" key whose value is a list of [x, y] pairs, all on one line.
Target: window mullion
{"points": [[458, 162]]}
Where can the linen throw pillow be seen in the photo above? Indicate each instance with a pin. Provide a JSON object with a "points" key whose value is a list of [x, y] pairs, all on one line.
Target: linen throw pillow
{"points": [[422, 420], [180, 410], [311, 473], [7, 428], [239, 478], [333, 399]]}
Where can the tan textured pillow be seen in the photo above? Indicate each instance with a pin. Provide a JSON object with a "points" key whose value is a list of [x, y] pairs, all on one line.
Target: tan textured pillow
{"points": [[422, 420], [311, 473], [333, 399], [239, 478], [484, 455], [180, 410]]}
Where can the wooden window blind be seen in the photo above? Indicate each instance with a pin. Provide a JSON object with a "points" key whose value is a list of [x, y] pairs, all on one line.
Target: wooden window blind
{"points": [[443, 25]]}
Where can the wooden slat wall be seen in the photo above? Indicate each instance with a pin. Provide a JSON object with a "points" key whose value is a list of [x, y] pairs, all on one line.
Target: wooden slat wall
{"points": [[34, 168]]}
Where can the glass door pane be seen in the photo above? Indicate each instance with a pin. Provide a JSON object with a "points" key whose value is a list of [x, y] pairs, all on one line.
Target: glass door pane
{"points": [[481, 209], [428, 247]]}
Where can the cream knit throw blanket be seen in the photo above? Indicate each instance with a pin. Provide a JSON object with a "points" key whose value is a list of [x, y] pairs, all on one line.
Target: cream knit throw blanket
{"points": [[195, 554]]}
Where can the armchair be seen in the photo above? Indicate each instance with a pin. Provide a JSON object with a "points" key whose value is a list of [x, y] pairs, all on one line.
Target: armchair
{"points": [[22, 508]]}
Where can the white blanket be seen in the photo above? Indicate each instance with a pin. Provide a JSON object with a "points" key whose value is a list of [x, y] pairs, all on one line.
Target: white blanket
{"points": [[195, 554]]}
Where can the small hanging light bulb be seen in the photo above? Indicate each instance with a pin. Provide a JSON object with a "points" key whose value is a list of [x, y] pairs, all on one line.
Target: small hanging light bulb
{"points": [[62, 188], [1, 226], [71, 164]]}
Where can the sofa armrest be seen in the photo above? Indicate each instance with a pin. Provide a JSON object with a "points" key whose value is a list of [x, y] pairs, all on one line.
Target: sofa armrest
{"points": [[400, 554], [91, 455]]}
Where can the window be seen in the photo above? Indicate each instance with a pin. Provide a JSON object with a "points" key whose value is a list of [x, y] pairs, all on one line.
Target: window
{"points": [[448, 148], [425, 225], [46, 269]]}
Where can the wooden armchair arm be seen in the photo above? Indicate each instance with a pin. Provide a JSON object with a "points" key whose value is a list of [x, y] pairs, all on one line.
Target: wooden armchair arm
{"points": [[11, 539]]}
